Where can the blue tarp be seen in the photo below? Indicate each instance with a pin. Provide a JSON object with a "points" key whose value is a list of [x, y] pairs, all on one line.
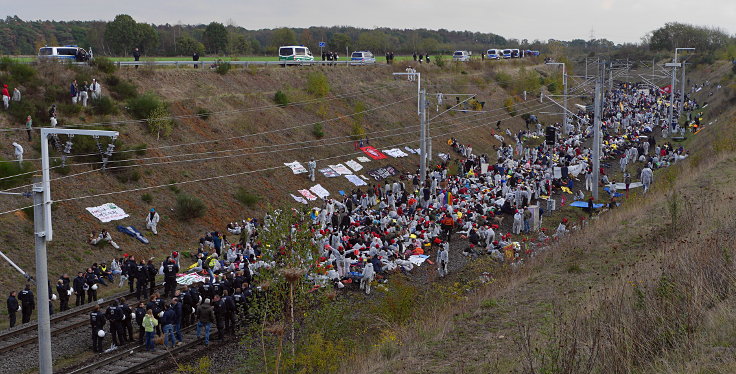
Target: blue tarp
{"points": [[132, 231], [583, 204]]}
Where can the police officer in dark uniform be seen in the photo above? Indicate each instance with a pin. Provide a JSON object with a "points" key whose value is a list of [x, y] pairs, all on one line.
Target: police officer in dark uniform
{"points": [[91, 280], [186, 309], [141, 276], [27, 302], [129, 269], [127, 320], [97, 321], [229, 312], [170, 271], [78, 285], [12, 308], [205, 290], [220, 315], [115, 315], [152, 271], [62, 288], [193, 302], [217, 287], [140, 312]]}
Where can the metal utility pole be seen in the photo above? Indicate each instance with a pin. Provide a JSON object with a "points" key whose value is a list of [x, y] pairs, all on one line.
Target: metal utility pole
{"points": [[564, 102], [682, 92], [423, 137], [597, 130], [43, 233], [674, 65]]}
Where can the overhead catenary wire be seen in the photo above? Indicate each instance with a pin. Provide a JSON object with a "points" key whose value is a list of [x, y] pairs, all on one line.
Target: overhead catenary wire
{"points": [[248, 171]]}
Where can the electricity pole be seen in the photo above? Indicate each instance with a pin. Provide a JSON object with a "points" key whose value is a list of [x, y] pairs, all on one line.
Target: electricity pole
{"points": [[597, 129], [43, 233], [564, 102], [674, 66], [423, 136]]}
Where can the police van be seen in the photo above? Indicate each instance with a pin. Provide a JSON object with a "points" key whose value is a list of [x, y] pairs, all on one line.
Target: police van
{"points": [[67, 52], [493, 54], [506, 53], [461, 56], [295, 53], [363, 57]]}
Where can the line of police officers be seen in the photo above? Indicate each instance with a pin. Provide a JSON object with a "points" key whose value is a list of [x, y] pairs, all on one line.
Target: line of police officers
{"points": [[229, 296]]}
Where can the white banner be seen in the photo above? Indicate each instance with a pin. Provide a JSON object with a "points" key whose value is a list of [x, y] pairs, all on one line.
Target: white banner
{"points": [[298, 199], [108, 212], [363, 159], [341, 169], [296, 167], [354, 179], [395, 152], [354, 165], [320, 191]]}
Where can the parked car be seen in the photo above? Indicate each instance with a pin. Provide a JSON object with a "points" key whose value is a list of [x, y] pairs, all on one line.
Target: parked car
{"points": [[363, 57], [461, 56]]}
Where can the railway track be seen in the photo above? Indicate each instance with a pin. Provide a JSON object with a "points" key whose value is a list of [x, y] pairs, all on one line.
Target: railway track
{"points": [[127, 360], [71, 319]]}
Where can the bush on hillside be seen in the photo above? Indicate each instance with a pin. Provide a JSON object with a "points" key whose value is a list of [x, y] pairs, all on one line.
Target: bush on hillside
{"points": [[121, 89], [280, 98], [318, 130], [317, 84], [204, 113], [147, 198], [103, 64], [440, 61], [104, 106], [247, 198], [21, 73], [9, 173], [142, 106], [509, 105], [188, 207], [222, 67], [357, 131], [160, 122]]}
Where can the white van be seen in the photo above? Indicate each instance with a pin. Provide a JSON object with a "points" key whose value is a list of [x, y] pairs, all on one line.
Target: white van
{"points": [[67, 52], [494, 54], [295, 53], [363, 57], [506, 53], [461, 56]]}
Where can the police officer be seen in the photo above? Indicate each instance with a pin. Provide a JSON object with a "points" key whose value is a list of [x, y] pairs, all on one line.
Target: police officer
{"points": [[141, 276], [178, 308], [127, 320], [64, 296], [91, 280], [194, 298], [152, 271], [220, 315], [79, 288], [170, 271], [205, 290], [12, 307], [97, 321], [115, 315], [129, 269], [140, 312], [27, 302], [217, 287], [230, 309]]}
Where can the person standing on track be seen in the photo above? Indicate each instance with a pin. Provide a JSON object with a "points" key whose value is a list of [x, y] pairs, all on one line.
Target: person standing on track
{"points": [[167, 320], [97, 322], [79, 288], [176, 305], [115, 315], [63, 289], [127, 324], [149, 326], [12, 308], [27, 303], [130, 270], [205, 316], [220, 314], [170, 270], [141, 276], [152, 271], [140, 312]]}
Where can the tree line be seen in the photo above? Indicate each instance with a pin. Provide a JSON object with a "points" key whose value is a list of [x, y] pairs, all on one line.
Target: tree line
{"points": [[121, 35]]}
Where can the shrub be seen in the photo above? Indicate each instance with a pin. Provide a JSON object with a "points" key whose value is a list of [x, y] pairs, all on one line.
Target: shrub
{"points": [[317, 84], [203, 113], [69, 109], [357, 131], [247, 198], [121, 89], [160, 122], [140, 149], [20, 110], [147, 198], [9, 172], [509, 105], [222, 67], [504, 80], [104, 105], [5, 63], [358, 110], [21, 73], [127, 175], [142, 106], [440, 61], [188, 207], [318, 130], [280, 98], [103, 64]]}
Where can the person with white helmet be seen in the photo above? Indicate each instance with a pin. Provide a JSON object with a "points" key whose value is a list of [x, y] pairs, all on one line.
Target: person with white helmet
{"points": [[91, 280], [62, 288], [127, 325], [115, 315], [152, 219], [97, 322]]}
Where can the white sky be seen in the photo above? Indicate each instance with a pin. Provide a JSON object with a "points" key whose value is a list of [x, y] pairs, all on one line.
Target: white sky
{"points": [[616, 20]]}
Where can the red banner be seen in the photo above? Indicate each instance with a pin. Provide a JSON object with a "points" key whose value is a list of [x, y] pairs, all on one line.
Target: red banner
{"points": [[373, 153], [666, 89]]}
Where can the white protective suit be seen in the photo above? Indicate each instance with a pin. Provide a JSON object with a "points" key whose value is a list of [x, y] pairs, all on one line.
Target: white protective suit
{"points": [[368, 275], [152, 221]]}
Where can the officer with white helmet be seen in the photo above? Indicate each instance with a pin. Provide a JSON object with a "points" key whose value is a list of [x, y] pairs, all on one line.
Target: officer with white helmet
{"points": [[97, 322]]}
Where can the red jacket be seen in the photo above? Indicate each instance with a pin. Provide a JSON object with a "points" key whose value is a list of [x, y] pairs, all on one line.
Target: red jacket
{"points": [[5, 92]]}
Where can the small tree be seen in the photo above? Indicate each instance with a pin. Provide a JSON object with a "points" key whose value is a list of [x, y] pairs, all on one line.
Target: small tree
{"points": [[160, 122]]}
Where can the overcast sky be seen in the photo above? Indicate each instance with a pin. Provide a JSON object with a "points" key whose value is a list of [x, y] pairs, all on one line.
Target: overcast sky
{"points": [[616, 20]]}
